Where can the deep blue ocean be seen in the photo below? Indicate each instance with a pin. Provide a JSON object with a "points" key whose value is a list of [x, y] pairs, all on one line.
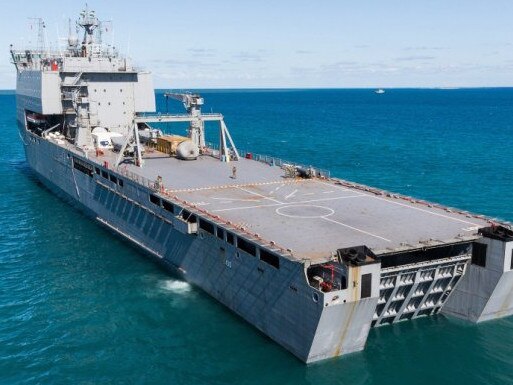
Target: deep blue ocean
{"points": [[79, 306]]}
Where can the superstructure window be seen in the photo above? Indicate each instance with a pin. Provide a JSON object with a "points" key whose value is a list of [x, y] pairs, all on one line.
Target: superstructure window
{"points": [[479, 254], [207, 226], [246, 246], [97, 170], [120, 182], [105, 174], [113, 178], [155, 199], [82, 166], [270, 258], [168, 206], [220, 233], [187, 216], [229, 238]]}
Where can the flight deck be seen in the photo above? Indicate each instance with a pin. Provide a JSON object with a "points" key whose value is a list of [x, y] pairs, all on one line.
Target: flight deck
{"points": [[311, 217]]}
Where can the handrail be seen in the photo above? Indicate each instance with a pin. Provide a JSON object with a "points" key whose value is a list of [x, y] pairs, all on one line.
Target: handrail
{"points": [[274, 161]]}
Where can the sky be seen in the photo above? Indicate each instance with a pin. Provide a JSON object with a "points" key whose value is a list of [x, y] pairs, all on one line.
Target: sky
{"points": [[289, 43]]}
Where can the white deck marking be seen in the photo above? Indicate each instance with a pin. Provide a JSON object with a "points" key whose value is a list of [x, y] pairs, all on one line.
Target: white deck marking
{"points": [[411, 207], [329, 212], [236, 200], [328, 192], [355, 229], [259, 195], [471, 228], [291, 194], [277, 188], [281, 203], [309, 194], [425, 211]]}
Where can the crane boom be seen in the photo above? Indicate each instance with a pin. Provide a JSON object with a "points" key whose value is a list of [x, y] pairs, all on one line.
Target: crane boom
{"points": [[192, 103]]}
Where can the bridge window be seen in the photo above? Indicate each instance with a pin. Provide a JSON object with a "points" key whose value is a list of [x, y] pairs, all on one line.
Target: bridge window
{"points": [[113, 178], [229, 238], [269, 258], [105, 174], [120, 182], [220, 233], [479, 254]]}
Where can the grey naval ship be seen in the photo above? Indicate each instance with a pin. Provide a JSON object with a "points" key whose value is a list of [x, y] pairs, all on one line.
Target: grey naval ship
{"points": [[313, 262]]}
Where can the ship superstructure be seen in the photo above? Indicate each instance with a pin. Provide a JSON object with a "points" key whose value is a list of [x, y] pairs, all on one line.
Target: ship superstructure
{"points": [[312, 261]]}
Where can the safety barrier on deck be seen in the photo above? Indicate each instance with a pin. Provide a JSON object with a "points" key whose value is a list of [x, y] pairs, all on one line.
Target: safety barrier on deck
{"points": [[273, 161]]}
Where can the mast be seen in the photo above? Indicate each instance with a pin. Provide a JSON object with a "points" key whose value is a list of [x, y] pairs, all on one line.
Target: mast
{"points": [[89, 22]]}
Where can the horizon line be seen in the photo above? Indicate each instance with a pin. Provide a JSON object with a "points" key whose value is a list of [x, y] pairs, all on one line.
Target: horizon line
{"points": [[448, 88]]}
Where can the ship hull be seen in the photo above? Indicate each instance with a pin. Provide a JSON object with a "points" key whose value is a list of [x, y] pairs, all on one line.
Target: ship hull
{"points": [[277, 302]]}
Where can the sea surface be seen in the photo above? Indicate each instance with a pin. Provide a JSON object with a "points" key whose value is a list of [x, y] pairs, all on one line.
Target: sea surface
{"points": [[79, 306]]}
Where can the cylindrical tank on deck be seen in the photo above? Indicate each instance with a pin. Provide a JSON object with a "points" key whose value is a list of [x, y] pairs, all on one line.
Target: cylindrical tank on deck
{"points": [[187, 150]]}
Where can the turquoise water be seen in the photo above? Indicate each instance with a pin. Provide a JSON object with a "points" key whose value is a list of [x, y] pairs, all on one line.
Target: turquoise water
{"points": [[79, 306]]}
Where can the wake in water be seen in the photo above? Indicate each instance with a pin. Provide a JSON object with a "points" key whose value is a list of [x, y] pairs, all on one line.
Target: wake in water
{"points": [[179, 287]]}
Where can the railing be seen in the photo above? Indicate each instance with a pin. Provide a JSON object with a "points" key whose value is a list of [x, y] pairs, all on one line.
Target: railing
{"points": [[160, 189], [274, 161], [137, 178]]}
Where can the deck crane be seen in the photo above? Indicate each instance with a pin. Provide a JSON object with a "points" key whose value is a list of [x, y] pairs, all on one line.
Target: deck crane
{"points": [[192, 104]]}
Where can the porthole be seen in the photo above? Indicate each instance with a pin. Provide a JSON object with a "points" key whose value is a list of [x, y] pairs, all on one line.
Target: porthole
{"points": [[315, 297]]}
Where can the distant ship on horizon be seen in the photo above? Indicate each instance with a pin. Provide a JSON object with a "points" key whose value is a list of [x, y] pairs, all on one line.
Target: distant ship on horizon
{"points": [[379, 91]]}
